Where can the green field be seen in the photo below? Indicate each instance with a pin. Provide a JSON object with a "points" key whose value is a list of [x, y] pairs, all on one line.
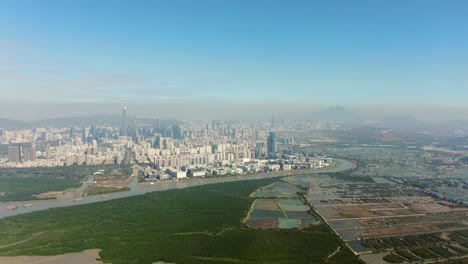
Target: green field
{"points": [[95, 190], [23, 188], [194, 225], [20, 184], [118, 172], [276, 190]]}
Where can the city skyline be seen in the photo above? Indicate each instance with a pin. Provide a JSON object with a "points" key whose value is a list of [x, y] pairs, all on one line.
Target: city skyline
{"points": [[179, 59], [246, 131]]}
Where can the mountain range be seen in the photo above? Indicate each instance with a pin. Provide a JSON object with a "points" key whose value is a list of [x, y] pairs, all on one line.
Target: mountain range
{"points": [[97, 119], [336, 113]]}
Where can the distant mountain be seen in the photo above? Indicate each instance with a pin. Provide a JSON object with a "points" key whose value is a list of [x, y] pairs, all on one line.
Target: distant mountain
{"points": [[370, 135], [400, 121], [97, 119], [6, 123], [455, 124], [338, 114]]}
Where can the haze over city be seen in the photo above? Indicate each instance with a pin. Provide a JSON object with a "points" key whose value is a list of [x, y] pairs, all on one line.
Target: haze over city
{"points": [[242, 131], [233, 59]]}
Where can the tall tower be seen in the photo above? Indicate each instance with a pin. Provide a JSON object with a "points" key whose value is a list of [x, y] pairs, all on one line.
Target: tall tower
{"points": [[124, 122], [83, 135], [271, 145], [48, 151], [72, 132], [14, 154]]}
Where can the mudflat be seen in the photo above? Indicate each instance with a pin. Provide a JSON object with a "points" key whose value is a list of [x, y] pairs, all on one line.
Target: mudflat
{"points": [[90, 256]]}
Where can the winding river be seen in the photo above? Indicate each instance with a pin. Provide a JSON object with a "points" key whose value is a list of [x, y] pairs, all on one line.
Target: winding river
{"points": [[137, 189]]}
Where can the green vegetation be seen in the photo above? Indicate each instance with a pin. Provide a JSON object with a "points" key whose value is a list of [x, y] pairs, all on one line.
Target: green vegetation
{"points": [[458, 250], [408, 255], [444, 252], [21, 184], [23, 188], [351, 178], [425, 253], [458, 261], [94, 190], [392, 258], [119, 172], [63, 172], [195, 225]]}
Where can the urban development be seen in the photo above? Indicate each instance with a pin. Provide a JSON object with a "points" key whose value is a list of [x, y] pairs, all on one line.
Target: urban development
{"points": [[233, 132], [388, 195]]}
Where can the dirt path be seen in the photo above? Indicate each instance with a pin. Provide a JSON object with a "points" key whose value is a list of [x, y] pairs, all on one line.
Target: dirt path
{"points": [[203, 233], [332, 254], [22, 241]]}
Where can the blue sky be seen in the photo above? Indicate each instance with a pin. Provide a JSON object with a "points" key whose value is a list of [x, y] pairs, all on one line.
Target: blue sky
{"points": [[290, 53]]}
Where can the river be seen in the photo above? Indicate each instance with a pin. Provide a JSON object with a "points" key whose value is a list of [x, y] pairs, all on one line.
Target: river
{"points": [[137, 189]]}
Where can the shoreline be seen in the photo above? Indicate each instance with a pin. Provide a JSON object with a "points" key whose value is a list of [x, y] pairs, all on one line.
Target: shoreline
{"points": [[89, 256], [142, 188], [253, 176]]}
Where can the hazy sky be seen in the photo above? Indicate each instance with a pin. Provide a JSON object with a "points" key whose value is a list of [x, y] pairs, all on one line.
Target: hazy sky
{"points": [[173, 57]]}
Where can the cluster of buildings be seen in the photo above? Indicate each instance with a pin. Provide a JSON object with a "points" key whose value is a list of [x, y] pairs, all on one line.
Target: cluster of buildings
{"points": [[16, 154], [238, 167], [217, 148]]}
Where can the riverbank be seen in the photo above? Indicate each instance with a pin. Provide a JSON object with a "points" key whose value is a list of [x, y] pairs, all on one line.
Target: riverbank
{"points": [[337, 166], [137, 189]]}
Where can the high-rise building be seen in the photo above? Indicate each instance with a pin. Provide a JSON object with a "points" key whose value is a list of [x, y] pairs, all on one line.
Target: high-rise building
{"points": [[158, 142], [92, 131], [32, 153], [26, 153], [158, 123], [124, 122], [271, 145], [48, 151], [84, 135], [29, 153], [136, 122], [177, 132], [72, 132], [14, 154]]}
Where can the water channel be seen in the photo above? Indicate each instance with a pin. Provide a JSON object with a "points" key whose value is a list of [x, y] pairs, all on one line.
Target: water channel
{"points": [[137, 189]]}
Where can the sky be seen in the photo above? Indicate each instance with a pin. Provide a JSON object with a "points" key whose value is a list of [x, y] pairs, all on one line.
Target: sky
{"points": [[195, 59]]}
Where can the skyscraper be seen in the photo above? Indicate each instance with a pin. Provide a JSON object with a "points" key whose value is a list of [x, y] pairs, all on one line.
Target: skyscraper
{"points": [[83, 135], [72, 132], [158, 142], [14, 154], [32, 152], [177, 132], [26, 154], [271, 145], [48, 151], [124, 122]]}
